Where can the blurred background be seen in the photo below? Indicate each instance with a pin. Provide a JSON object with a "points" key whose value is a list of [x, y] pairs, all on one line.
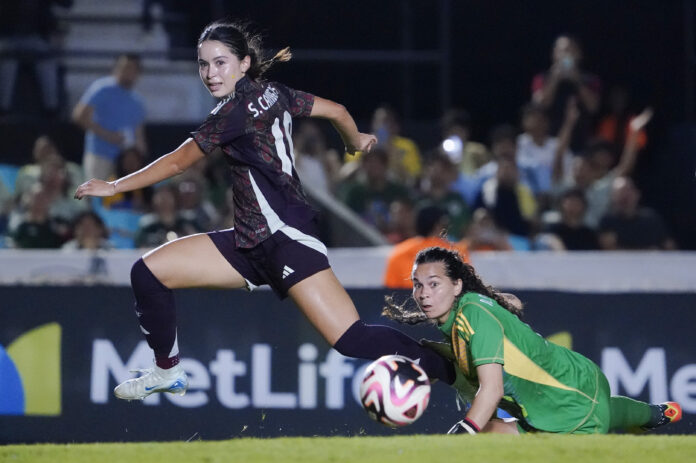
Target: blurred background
{"points": [[553, 143], [415, 73]]}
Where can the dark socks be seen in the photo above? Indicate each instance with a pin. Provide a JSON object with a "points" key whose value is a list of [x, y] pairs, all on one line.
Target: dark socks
{"points": [[373, 341], [156, 313]]}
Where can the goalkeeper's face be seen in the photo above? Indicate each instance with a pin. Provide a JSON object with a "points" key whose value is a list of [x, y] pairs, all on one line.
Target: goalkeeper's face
{"points": [[434, 291]]}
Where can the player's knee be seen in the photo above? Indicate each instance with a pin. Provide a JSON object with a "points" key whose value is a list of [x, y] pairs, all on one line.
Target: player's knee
{"points": [[143, 280]]}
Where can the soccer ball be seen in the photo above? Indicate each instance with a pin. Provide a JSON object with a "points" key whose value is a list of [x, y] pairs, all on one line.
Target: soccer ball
{"points": [[394, 391]]}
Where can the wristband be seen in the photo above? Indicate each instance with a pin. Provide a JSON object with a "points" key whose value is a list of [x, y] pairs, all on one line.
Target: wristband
{"points": [[470, 426]]}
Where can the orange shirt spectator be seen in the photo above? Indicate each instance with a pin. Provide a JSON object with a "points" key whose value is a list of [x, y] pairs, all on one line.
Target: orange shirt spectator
{"points": [[614, 127], [612, 130], [431, 221], [400, 262]]}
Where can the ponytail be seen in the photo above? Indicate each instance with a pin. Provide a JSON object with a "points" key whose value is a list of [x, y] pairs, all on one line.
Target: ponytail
{"points": [[401, 313], [261, 67]]}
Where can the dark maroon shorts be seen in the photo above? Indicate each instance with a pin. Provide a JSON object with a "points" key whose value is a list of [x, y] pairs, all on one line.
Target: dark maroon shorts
{"points": [[289, 256]]}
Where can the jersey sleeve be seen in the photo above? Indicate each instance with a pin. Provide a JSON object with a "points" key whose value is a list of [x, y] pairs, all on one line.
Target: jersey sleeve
{"points": [[483, 332], [93, 94], [218, 130], [299, 103]]}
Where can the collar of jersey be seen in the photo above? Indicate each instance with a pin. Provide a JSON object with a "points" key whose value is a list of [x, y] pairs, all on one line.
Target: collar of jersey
{"points": [[446, 328], [242, 84]]}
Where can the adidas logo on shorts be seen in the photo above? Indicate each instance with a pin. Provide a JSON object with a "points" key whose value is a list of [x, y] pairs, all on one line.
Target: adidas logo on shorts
{"points": [[287, 271]]}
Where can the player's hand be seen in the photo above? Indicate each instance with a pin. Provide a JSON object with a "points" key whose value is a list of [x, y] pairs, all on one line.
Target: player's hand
{"points": [[95, 187], [365, 143]]}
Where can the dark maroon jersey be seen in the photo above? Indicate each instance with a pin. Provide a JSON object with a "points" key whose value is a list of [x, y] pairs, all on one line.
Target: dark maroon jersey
{"points": [[254, 131]]}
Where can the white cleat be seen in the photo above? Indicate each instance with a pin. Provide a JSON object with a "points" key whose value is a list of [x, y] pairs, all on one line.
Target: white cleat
{"points": [[151, 380]]}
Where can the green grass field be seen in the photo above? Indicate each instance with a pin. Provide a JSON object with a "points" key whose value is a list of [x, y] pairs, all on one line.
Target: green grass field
{"points": [[402, 449]]}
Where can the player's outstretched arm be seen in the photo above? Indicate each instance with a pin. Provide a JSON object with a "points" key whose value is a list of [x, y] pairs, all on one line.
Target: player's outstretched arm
{"points": [[166, 166], [489, 394], [344, 124]]}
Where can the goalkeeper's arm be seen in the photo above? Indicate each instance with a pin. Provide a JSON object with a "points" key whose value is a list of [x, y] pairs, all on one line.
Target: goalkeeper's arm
{"points": [[488, 396]]}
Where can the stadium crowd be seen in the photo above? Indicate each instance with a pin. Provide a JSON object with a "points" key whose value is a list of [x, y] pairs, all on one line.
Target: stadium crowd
{"points": [[559, 178]]}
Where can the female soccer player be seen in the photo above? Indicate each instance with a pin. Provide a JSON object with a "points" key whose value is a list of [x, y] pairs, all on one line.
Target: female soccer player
{"points": [[546, 387], [274, 239]]}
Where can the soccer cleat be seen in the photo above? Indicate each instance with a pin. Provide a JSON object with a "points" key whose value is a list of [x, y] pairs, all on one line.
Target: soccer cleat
{"points": [[671, 412], [151, 380]]}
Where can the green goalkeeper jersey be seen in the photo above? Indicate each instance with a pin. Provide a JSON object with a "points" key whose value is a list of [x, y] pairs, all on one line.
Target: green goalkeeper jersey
{"points": [[552, 388]]}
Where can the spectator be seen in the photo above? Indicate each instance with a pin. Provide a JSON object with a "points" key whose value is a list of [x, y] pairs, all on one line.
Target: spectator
{"points": [[164, 223], [565, 79], [316, 164], [55, 183], [436, 190], [128, 161], [193, 206], [402, 221], [431, 221], [5, 208], [469, 156], [371, 193], [35, 229], [45, 150], [628, 226], [510, 202], [484, 235], [535, 151], [403, 153], [89, 232], [615, 126], [503, 146], [112, 115], [593, 171], [26, 30], [571, 229]]}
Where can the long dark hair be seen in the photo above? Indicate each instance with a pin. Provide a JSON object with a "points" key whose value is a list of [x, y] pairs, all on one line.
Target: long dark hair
{"points": [[242, 42], [455, 269]]}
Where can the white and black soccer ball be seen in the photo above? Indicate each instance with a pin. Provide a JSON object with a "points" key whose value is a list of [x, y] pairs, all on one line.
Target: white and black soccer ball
{"points": [[394, 391]]}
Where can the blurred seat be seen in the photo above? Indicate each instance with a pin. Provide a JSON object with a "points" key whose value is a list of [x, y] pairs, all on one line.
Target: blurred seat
{"points": [[8, 175], [122, 226]]}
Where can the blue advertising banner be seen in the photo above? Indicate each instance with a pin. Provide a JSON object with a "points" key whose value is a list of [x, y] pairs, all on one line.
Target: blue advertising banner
{"points": [[258, 368]]}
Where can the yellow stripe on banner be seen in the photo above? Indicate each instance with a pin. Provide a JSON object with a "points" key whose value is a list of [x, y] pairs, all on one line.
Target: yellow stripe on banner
{"points": [[36, 354], [518, 364]]}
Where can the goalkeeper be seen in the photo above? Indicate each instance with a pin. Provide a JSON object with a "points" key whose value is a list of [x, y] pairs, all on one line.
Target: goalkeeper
{"points": [[504, 364]]}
